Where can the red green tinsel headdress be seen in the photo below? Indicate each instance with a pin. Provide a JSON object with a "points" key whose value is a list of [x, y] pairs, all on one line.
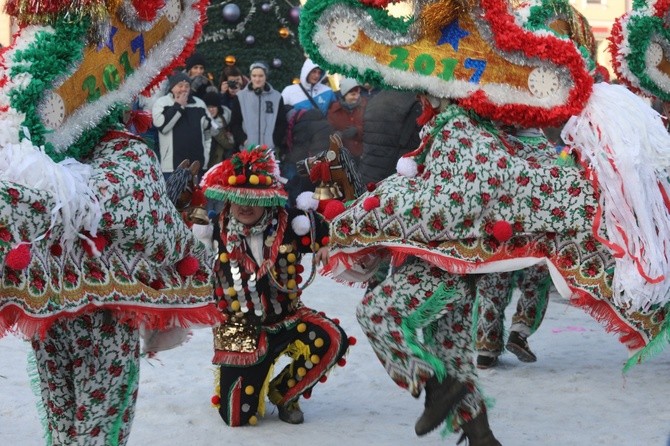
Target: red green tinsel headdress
{"points": [[250, 177]]}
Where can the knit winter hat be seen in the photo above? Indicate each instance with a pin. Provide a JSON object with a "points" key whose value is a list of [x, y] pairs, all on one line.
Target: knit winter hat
{"points": [[212, 98], [347, 84], [176, 78], [260, 65], [250, 177], [195, 59]]}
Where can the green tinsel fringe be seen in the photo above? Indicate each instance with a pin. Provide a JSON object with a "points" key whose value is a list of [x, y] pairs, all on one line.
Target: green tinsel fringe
{"points": [[36, 387], [132, 378], [239, 197], [655, 346], [421, 318]]}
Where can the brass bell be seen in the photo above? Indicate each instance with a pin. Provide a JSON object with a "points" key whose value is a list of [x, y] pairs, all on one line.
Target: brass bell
{"points": [[322, 192], [199, 216]]}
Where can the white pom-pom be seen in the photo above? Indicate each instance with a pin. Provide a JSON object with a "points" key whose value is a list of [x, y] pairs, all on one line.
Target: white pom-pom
{"points": [[407, 167], [300, 225], [306, 201]]}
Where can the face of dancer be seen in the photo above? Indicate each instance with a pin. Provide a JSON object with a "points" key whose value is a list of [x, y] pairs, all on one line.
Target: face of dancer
{"points": [[247, 215]]}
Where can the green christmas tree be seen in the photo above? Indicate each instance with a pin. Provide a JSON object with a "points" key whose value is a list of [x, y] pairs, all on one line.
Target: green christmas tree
{"points": [[245, 31]]}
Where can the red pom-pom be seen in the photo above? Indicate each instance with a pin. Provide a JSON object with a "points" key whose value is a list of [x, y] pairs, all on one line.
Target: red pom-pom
{"points": [[371, 186], [342, 362], [307, 395], [325, 241], [157, 284], [218, 291], [336, 320], [18, 258], [323, 379], [371, 203], [333, 209], [305, 240], [299, 269], [502, 230], [241, 179], [322, 205], [216, 399], [188, 266], [56, 249], [352, 340]]}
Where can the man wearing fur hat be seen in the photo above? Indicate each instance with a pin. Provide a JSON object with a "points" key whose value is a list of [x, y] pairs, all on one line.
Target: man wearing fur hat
{"points": [[183, 125], [258, 283]]}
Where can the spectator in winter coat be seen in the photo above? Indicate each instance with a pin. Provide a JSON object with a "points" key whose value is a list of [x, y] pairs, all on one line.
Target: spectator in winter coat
{"points": [[232, 82], [346, 116], [183, 125], [256, 112], [389, 131], [222, 139], [309, 92]]}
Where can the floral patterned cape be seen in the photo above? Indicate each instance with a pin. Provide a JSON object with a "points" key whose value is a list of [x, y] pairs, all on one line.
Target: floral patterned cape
{"points": [[481, 202], [141, 239]]}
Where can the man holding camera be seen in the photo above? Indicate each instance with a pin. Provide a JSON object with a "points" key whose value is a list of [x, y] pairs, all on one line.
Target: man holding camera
{"points": [[232, 81]]}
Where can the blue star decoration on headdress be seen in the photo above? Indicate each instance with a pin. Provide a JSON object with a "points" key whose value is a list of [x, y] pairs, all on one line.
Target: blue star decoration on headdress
{"points": [[452, 34], [110, 40]]}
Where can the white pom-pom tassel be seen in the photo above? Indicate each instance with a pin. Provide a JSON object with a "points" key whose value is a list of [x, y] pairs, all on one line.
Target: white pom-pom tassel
{"points": [[306, 202], [407, 167], [300, 225]]}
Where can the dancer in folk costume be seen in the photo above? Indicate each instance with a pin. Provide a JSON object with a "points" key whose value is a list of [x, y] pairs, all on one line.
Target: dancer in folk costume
{"points": [[495, 290], [258, 280], [91, 250], [466, 201]]}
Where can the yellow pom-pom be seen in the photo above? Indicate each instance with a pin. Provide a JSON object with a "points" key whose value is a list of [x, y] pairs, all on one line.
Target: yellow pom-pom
{"points": [[290, 269], [268, 180], [249, 390], [302, 371], [315, 359], [231, 292], [253, 420], [318, 342], [302, 327], [223, 257], [253, 179], [290, 284], [235, 306], [232, 180], [290, 383], [292, 296], [291, 258]]}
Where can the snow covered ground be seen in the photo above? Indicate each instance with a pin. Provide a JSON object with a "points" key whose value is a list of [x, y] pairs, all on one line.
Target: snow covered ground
{"points": [[574, 395]]}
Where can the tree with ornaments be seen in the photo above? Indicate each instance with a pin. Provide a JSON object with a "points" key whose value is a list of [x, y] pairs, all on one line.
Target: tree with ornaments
{"points": [[241, 32]]}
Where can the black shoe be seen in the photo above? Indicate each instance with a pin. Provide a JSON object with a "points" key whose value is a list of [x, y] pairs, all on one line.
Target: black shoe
{"points": [[486, 362], [517, 344], [478, 432], [291, 413], [440, 400]]}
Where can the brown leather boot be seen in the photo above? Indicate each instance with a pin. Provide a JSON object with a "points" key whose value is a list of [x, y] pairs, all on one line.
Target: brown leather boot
{"points": [[441, 397], [478, 432]]}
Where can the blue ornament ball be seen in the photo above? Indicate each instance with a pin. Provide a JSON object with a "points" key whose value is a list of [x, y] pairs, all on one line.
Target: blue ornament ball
{"points": [[250, 40], [231, 12], [276, 63], [265, 7]]}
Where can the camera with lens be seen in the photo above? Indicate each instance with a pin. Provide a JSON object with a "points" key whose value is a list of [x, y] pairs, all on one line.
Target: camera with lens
{"points": [[233, 85]]}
